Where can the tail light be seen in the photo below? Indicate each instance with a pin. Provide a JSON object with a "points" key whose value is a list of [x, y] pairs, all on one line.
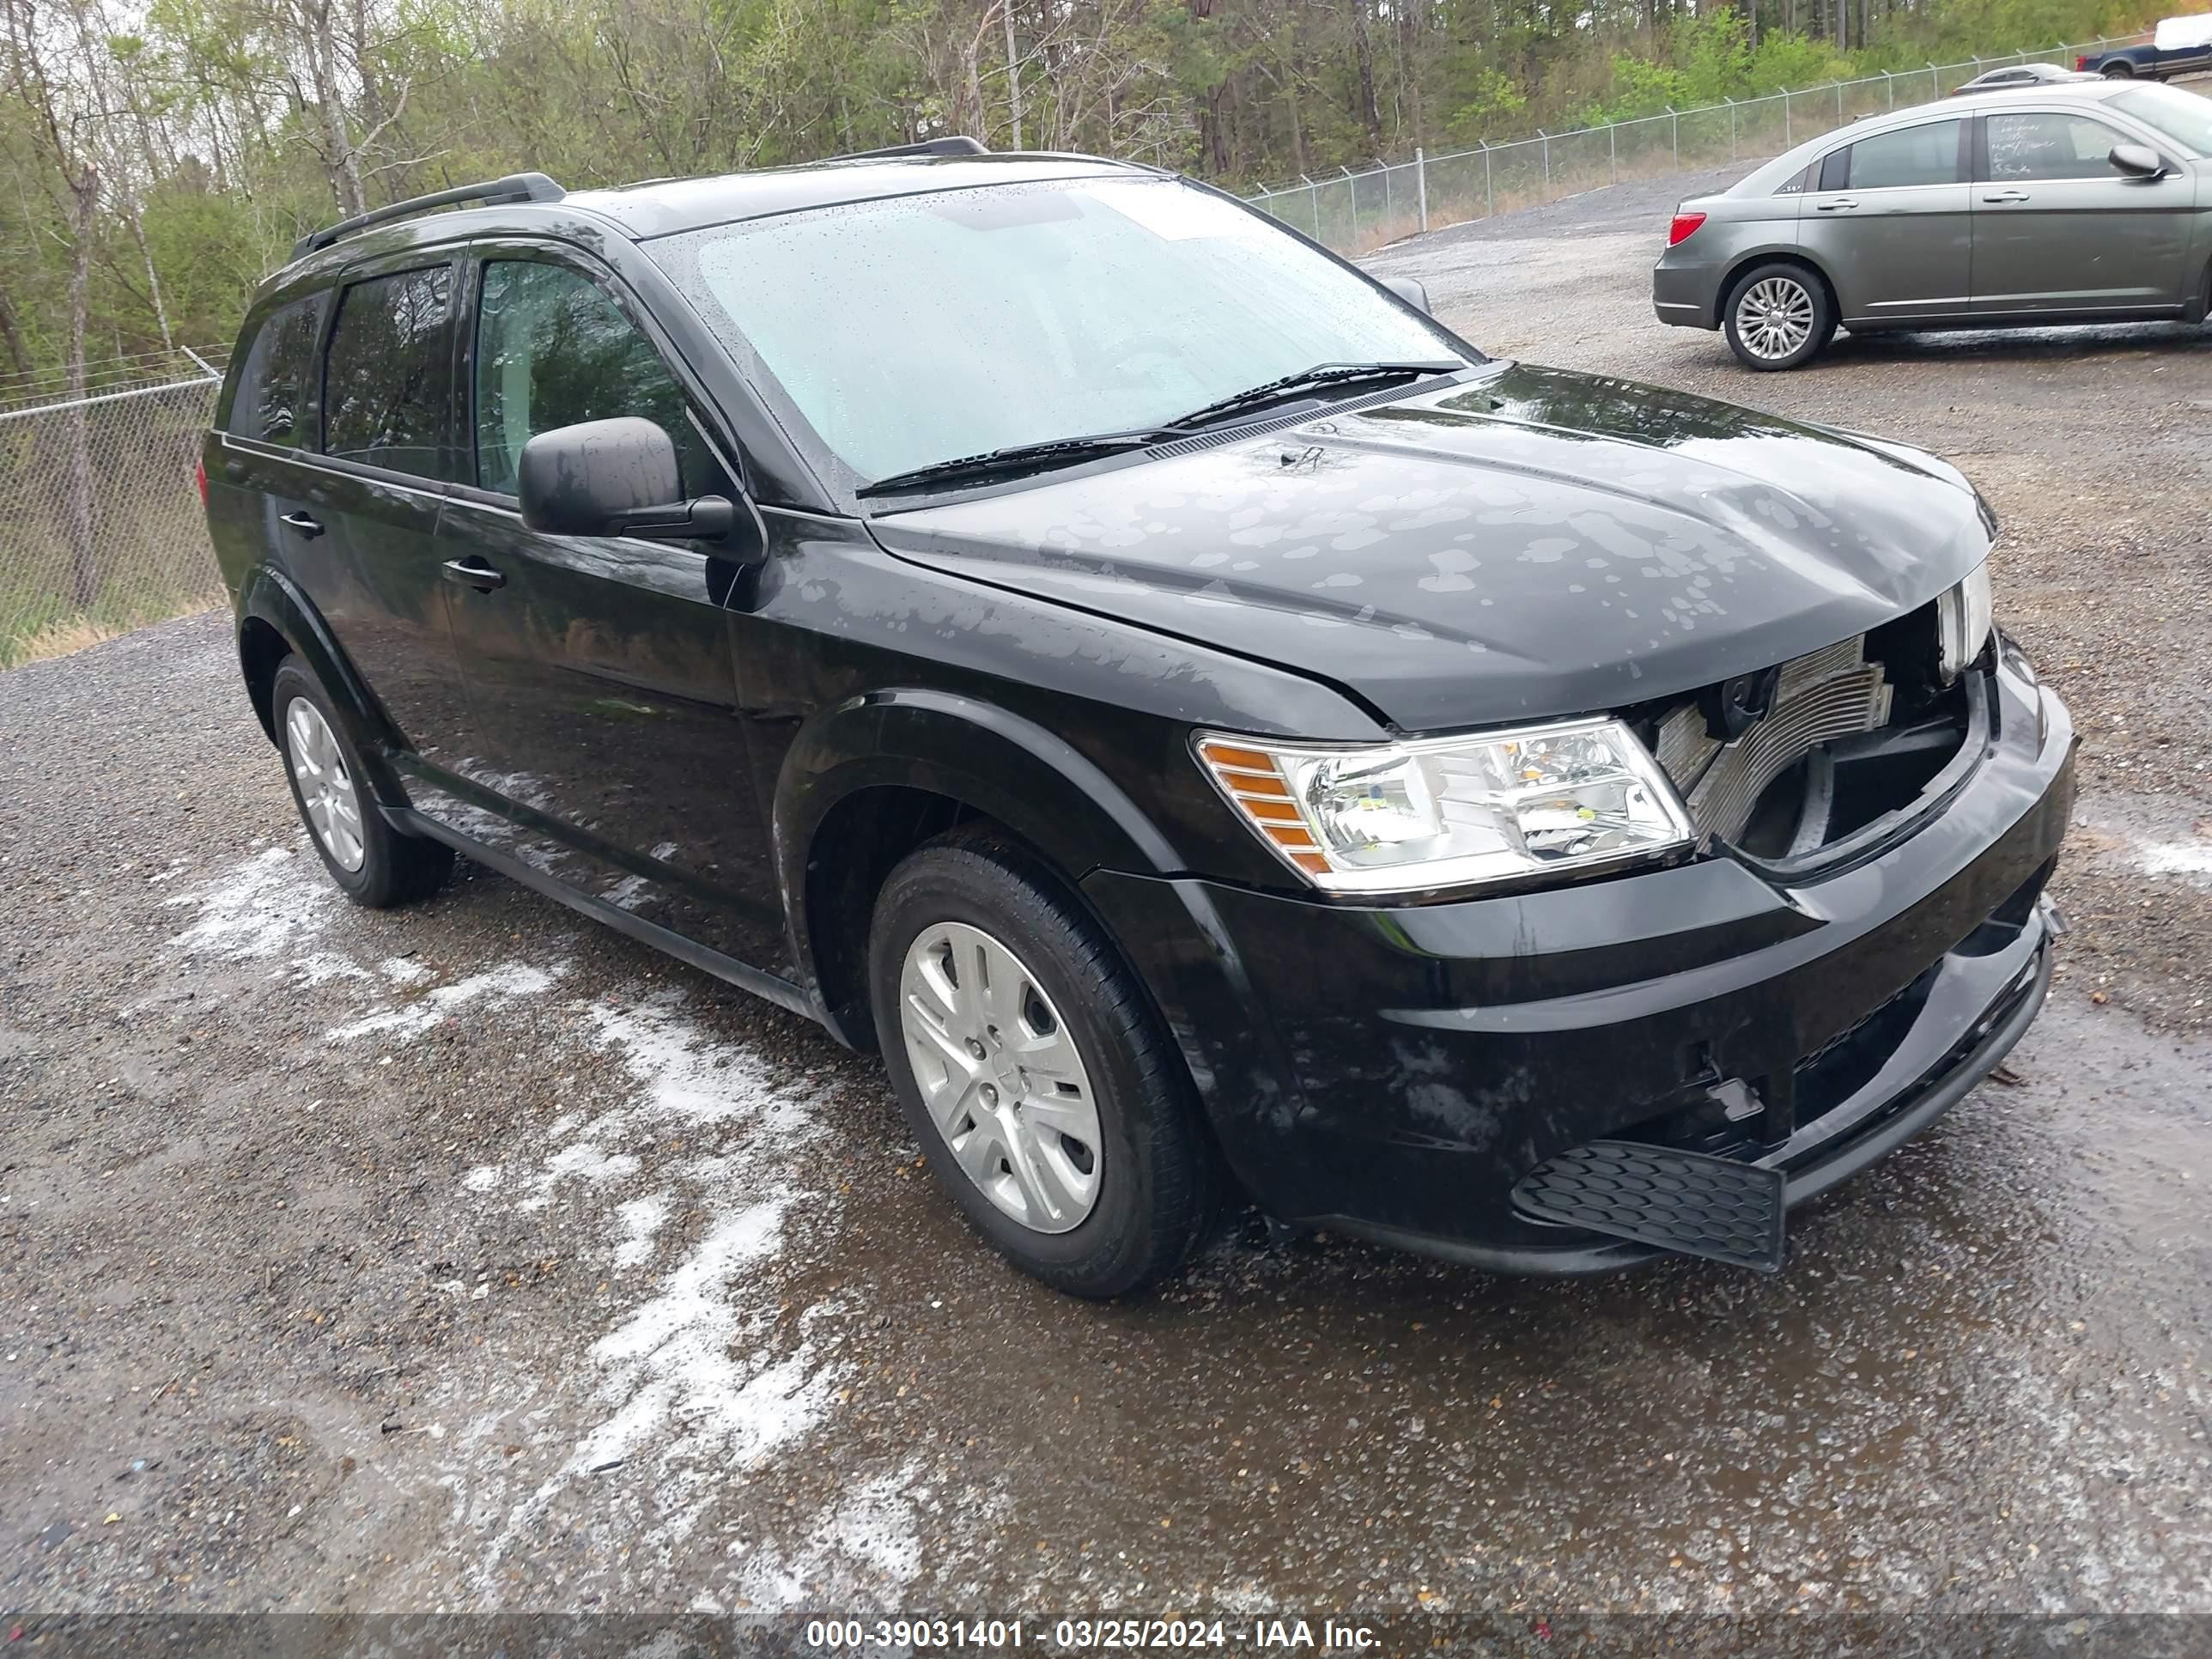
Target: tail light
{"points": [[2080, 60], [199, 477], [1685, 227]]}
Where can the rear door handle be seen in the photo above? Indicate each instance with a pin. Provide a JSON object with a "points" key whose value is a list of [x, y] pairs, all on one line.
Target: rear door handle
{"points": [[305, 523], [1832, 207], [473, 573], [2007, 196]]}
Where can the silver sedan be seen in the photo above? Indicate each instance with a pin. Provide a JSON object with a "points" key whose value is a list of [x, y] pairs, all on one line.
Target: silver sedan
{"points": [[2061, 203]]}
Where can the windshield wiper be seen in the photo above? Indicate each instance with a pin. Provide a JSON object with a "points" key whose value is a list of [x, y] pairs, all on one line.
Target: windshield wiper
{"points": [[1014, 459], [1017, 459], [1321, 377]]}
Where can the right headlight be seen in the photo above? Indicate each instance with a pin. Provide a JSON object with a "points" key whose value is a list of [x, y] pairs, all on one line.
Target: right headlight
{"points": [[1964, 616], [1443, 812]]}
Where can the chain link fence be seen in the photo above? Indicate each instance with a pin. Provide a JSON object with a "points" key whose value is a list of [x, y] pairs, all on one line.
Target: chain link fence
{"points": [[101, 526], [1355, 213]]}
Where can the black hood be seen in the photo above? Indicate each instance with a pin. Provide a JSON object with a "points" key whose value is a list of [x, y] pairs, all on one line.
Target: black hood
{"points": [[1522, 544]]}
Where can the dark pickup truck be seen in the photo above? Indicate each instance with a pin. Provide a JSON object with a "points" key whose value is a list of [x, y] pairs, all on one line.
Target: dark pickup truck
{"points": [[2182, 45]]}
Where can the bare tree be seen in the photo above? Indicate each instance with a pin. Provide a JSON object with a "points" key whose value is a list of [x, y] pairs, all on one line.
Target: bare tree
{"points": [[57, 123]]}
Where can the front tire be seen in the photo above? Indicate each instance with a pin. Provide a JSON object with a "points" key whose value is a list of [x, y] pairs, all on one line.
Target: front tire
{"points": [[372, 863], [1032, 1069], [1778, 316]]}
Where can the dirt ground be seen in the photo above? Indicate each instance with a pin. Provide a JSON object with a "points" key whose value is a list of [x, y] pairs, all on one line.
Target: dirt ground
{"points": [[470, 1258]]}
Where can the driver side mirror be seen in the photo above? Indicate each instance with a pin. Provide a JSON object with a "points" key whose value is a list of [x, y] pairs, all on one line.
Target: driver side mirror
{"points": [[1410, 290], [2137, 161], [614, 477]]}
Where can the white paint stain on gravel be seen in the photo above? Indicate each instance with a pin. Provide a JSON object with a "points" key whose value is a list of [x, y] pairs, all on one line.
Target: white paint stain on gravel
{"points": [[642, 1218], [851, 1554], [495, 986], [706, 1361], [707, 1364], [2178, 859], [268, 908]]}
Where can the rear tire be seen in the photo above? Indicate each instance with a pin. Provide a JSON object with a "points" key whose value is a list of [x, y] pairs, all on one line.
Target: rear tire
{"points": [[1777, 316], [372, 863], [1058, 1065], [2119, 71]]}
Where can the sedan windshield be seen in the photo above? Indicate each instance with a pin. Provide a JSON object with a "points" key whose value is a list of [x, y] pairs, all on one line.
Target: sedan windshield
{"points": [[919, 329], [2181, 116]]}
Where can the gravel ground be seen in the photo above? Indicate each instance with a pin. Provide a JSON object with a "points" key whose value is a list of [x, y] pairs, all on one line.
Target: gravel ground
{"points": [[468, 1257]]}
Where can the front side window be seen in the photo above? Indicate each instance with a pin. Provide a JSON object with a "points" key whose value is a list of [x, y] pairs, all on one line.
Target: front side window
{"points": [[552, 350], [2181, 116], [1925, 155], [2045, 144], [272, 398], [924, 328], [388, 388]]}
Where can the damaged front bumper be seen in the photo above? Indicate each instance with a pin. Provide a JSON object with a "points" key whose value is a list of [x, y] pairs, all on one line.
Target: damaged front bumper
{"points": [[1400, 1073]]}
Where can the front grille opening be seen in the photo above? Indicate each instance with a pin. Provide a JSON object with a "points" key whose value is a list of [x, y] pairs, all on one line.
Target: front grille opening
{"points": [[1840, 787], [1814, 749]]}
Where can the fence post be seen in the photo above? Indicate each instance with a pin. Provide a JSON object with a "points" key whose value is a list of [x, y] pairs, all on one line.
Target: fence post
{"points": [[1732, 150], [1789, 139], [1613, 151], [1489, 196], [1839, 103], [1889, 85], [1389, 197], [1421, 183], [1351, 184], [1313, 203], [1546, 137], [1675, 116]]}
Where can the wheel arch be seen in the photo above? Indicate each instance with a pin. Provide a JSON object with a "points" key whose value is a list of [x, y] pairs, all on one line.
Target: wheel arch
{"points": [[872, 779], [1775, 256], [276, 620]]}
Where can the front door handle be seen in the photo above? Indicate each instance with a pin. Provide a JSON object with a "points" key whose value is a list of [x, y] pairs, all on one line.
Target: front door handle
{"points": [[1830, 207], [2007, 196], [473, 573], [305, 523]]}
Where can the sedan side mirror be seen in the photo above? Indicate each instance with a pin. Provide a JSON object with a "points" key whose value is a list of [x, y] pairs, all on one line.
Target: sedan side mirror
{"points": [[1410, 290], [2136, 160], [616, 477]]}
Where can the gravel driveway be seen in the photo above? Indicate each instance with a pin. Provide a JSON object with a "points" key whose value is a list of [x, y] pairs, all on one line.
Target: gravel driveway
{"points": [[467, 1257]]}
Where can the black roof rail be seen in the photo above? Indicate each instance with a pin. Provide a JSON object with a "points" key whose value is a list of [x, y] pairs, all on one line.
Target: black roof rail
{"points": [[961, 145], [515, 187]]}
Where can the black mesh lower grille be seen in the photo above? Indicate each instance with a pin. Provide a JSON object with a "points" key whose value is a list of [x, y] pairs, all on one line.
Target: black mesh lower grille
{"points": [[1678, 1201]]}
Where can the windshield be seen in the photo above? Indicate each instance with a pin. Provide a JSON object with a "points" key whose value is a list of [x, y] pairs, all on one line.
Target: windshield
{"points": [[2181, 116], [924, 328]]}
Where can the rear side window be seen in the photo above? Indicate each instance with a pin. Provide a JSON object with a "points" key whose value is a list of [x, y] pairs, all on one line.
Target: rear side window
{"points": [[1925, 155], [552, 350], [272, 389], [387, 388], [2045, 144]]}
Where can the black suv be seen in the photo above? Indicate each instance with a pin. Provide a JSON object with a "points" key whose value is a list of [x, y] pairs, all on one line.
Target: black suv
{"points": [[1209, 725]]}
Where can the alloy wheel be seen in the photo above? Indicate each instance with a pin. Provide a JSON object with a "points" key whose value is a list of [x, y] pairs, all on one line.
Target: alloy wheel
{"points": [[1001, 1077], [1774, 317], [327, 795]]}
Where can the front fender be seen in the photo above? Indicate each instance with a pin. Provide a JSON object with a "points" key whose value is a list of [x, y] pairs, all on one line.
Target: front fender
{"points": [[970, 751], [1030, 779]]}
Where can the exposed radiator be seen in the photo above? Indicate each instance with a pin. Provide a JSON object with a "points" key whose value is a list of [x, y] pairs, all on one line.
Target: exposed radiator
{"points": [[1823, 695]]}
